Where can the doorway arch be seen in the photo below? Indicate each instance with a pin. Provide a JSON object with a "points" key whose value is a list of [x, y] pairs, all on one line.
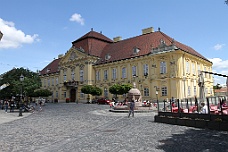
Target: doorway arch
{"points": [[73, 95]]}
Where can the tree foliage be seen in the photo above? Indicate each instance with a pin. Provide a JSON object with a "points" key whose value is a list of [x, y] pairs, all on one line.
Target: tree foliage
{"points": [[93, 90], [41, 93], [31, 82], [217, 86], [119, 89]]}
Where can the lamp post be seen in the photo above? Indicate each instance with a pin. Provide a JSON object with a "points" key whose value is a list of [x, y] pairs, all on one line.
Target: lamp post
{"points": [[20, 104], [157, 97]]}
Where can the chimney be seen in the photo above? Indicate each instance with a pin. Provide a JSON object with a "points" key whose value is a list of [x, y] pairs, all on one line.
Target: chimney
{"points": [[148, 30], [60, 56], [118, 38]]}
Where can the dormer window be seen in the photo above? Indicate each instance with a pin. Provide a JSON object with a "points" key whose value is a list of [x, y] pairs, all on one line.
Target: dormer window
{"points": [[48, 70], [136, 50], [107, 57]]}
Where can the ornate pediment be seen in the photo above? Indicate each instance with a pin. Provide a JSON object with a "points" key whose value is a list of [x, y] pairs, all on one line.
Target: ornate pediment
{"points": [[73, 56]]}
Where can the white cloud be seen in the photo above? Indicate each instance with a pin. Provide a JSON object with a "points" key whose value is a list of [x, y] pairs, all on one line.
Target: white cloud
{"points": [[14, 38], [77, 18], [219, 66], [218, 46]]}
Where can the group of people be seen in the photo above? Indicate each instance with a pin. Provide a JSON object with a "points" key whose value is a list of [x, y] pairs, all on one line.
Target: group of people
{"points": [[7, 104], [10, 105]]}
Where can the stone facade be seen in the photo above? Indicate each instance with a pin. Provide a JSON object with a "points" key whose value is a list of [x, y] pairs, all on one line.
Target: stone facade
{"points": [[153, 60]]}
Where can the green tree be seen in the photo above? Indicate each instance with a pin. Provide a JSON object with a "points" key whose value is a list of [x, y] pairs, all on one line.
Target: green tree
{"points": [[119, 89], [87, 89], [217, 86], [12, 78], [91, 90], [41, 93], [96, 91]]}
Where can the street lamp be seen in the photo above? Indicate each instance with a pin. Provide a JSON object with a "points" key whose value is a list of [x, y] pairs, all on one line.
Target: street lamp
{"points": [[20, 104], [157, 97]]}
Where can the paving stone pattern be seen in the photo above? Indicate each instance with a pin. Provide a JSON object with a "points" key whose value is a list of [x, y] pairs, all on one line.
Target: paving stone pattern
{"points": [[79, 127]]}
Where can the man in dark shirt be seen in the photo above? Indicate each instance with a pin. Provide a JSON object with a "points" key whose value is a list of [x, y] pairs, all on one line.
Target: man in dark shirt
{"points": [[131, 108]]}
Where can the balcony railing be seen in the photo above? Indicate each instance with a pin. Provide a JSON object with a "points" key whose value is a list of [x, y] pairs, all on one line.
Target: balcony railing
{"points": [[71, 83]]}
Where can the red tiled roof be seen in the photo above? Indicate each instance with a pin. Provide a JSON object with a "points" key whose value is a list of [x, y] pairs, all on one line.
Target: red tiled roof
{"points": [[95, 35], [93, 43], [96, 44], [223, 89], [51, 68], [124, 49]]}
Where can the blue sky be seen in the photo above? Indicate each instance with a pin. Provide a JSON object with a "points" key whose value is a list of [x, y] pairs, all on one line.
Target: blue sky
{"points": [[37, 31]]}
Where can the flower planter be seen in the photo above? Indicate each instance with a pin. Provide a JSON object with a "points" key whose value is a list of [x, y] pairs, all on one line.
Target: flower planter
{"points": [[201, 123], [172, 120], [175, 114], [181, 121], [224, 126], [164, 119], [214, 125], [204, 116], [190, 123], [157, 118], [164, 113]]}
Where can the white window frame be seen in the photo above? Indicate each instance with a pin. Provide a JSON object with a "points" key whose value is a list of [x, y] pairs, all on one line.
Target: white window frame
{"points": [[187, 67], [72, 74], [162, 67], [124, 75], [48, 81], [114, 73], [146, 92], [64, 76], [199, 69], [98, 75], [53, 81], [57, 81], [44, 82], [82, 95], [193, 69], [145, 69], [56, 94], [81, 74], [105, 92], [105, 74], [194, 90], [134, 71], [164, 91], [189, 91]]}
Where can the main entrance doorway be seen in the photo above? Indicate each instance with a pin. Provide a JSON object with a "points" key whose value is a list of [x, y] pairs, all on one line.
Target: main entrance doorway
{"points": [[72, 95]]}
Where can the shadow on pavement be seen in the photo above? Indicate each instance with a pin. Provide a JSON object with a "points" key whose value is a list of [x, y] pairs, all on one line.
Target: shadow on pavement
{"points": [[196, 141]]}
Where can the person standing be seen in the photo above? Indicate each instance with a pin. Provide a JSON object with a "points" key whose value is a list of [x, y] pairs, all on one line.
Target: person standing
{"points": [[131, 108], [204, 109], [6, 105]]}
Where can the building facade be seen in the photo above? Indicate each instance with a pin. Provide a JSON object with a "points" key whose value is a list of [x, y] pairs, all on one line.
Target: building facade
{"points": [[160, 66]]}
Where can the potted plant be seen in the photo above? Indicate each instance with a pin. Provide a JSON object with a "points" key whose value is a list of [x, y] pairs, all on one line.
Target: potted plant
{"points": [[67, 100]]}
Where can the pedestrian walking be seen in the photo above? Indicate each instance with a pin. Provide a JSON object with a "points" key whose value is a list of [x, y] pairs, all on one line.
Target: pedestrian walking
{"points": [[131, 108], [6, 105]]}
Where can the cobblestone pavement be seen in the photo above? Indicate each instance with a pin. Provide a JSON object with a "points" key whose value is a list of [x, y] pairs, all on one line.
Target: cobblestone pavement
{"points": [[91, 128]]}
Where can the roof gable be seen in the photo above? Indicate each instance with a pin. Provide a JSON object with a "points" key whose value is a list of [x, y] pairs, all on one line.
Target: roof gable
{"points": [[51, 68], [73, 55]]}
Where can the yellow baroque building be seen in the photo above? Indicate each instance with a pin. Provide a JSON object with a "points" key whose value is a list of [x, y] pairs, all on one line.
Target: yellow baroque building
{"points": [[160, 66]]}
